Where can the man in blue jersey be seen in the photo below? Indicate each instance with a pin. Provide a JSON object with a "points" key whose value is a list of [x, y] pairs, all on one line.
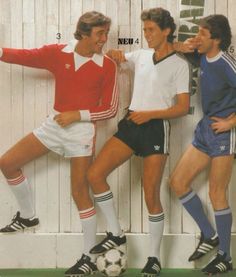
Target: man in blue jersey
{"points": [[213, 144]]}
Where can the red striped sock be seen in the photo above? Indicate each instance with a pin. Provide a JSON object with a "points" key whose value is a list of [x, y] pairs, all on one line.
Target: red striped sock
{"points": [[89, 225], [22, 191], [16, 181], [86, 214]]}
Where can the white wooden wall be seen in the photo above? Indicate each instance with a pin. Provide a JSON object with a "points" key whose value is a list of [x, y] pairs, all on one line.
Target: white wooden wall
{"points": [[26, 97]]}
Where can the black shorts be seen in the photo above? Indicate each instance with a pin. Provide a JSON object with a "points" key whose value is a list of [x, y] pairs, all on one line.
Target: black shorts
{"points": [[146, 139]]}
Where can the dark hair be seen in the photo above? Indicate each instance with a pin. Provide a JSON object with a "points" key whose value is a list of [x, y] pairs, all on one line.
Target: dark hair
{"points": [[162, 18], [218, 26], [89, 20]]}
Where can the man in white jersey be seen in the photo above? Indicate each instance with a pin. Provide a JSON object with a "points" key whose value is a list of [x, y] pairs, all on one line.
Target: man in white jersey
{"points": [[160, 92]]}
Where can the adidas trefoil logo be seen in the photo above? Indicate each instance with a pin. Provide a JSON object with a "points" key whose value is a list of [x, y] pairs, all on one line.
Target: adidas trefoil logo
{"points": [[222, 147], [157, 147]]}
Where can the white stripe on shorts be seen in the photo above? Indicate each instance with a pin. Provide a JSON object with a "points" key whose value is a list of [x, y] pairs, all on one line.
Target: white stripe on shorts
{"points": [[232, 141], [166, 134]]}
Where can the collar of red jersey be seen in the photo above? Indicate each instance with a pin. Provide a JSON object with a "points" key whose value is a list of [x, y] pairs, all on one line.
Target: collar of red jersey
{"points": [[80, 60]]}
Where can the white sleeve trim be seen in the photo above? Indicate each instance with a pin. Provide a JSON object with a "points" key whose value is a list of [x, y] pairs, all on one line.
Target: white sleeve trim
{"points": [[1, 52], [127, 56], [183, 78], [85, 115], [184, 90]]}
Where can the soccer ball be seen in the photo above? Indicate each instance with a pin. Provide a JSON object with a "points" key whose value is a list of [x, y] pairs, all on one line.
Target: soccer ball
{"points": [[112, 263]]}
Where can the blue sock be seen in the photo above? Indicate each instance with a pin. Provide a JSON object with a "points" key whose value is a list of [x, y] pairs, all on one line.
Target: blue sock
{"points": [[193, 205], [223, 220]]}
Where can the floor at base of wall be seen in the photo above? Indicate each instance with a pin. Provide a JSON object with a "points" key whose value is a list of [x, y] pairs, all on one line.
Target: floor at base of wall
{"points": [[128, 273]]}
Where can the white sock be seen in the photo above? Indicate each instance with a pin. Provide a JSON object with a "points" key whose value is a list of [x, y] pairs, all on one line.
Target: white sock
{"points": [[105, 202], [89, 225], [156, 227], [21, 189]]}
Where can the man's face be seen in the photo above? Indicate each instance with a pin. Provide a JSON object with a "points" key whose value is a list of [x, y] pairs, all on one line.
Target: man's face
{"points": [[205, 43], [97, 38], [154, 36]]}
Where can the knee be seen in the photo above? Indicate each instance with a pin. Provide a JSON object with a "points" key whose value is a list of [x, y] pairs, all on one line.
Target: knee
{"points": [[79, 188], [177, 185], [2, 164], [5, 166], [214, 194], [95, 178], [81, 196], [218, 197], [92, 176]]}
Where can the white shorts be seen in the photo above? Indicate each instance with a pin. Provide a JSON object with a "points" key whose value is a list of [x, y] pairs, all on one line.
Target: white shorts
{"points": [[75, 140]]}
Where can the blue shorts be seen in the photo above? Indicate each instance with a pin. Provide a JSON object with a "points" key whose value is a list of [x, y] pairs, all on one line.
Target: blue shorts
{"points": [[214, 145]]}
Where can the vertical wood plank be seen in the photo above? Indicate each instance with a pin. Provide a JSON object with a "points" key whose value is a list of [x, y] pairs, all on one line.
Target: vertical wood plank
{"points": [[100, 6], [76, 11], [124, 170], [221, 7], [106, 128], [29, 75], [136, 164], [209, 8], [88, 5], [40, 82], [53, 166], [66, 203], [7, 125], [232, 189]]}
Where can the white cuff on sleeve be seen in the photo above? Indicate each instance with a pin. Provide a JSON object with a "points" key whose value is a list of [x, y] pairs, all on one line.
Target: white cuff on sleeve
{"points": [[1, 52], [85, 115]]}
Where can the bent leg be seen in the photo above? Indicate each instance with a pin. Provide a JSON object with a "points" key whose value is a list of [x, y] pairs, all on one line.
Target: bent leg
{"points": [[26, 150], [191, 164], [188, 167], [112, 155]]}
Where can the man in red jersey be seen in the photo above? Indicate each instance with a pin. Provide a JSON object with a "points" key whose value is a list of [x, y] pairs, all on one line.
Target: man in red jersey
{"points": [[85, 91]]}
